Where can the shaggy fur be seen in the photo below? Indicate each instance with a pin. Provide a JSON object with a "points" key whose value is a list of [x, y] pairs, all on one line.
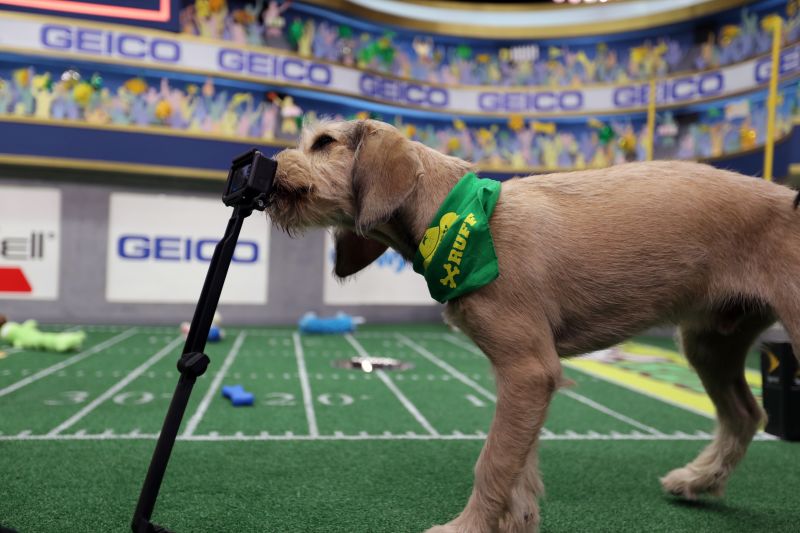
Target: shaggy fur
{"points": [[587, 259]]}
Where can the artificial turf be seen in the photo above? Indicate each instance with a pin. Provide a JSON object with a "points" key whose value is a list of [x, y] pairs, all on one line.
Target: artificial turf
{"points": [[373, 467]]}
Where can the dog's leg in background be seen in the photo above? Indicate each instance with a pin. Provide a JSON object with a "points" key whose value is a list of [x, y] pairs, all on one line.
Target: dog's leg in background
{"points": [[528, 372], [719, 358]]}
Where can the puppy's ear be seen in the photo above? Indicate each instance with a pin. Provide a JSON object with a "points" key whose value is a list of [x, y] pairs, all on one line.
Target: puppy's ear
{"points": [[354, 252], [385, 170]]}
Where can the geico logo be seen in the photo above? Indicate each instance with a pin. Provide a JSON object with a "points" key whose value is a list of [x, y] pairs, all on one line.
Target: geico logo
{"points": [[143, 247], [402, 92], [789, 63], [270, 66], [24, 248], [670, 91], [544, 101], [109, 43]]}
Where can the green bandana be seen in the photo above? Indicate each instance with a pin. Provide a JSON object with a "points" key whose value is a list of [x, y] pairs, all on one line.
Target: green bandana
{"points": [[456, 255]]}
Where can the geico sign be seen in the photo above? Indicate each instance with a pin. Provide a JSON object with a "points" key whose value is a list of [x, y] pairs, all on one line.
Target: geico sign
{"points": [[176, 249], [705, 85]]}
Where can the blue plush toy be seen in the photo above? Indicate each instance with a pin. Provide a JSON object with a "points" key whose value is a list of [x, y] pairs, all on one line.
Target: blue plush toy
{"points": [[340, 323], [237, 395]]}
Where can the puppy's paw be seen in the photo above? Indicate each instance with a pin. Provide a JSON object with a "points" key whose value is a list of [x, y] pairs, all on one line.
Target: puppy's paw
{"points": [[520, 522], [688, 483]]}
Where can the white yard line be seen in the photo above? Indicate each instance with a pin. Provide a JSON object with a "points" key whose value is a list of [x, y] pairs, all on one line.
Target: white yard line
{"points": [[138, 371], [444, 366], [214, 437], [191, 426], [308, 400], [67, 362], [410, 407], [607, 410]]}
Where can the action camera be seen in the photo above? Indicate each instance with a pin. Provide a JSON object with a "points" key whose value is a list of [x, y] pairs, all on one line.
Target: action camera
{"points": [[250, 180]]}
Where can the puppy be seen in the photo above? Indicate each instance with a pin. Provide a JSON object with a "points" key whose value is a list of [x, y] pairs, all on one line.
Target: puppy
{"points": [[586, 260]]}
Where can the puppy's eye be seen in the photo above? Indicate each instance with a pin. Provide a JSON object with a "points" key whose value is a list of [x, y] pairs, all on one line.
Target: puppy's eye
{"points": [[322, 141]]}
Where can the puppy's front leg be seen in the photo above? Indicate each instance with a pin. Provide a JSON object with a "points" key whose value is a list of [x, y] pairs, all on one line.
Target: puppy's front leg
{"points": [[528, 372]]}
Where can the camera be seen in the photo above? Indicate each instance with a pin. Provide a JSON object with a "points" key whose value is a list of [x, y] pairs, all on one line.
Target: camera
{"points": [[250, 180]]}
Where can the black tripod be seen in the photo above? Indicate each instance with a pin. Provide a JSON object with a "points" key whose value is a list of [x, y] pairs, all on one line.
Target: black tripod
{"points": [[248, 188]]}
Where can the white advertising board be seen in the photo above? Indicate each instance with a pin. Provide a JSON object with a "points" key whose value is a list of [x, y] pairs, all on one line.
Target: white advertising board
{"points": [[30, 242], [159, 249]]}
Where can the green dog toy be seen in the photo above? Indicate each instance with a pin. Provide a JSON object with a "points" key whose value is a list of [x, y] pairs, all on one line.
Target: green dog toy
{"points": [[27, 336]]}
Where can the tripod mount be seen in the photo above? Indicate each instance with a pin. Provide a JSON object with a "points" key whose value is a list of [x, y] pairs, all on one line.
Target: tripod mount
{"points": [[248, 188]]}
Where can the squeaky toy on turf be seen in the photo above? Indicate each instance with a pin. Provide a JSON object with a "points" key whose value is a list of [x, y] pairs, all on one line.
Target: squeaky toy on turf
{"points": [[237, 395], [27, 336], [215, 333], [340, 323]]}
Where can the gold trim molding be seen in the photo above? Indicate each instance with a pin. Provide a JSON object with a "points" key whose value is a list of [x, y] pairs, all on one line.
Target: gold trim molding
{"points": [[526, 32]]}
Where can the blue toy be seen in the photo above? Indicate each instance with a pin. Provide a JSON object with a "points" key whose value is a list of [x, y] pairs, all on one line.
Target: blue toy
{"points": [[237, 395], [340, 323]]}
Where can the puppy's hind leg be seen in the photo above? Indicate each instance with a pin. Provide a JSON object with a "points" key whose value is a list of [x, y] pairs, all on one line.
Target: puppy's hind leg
{"points": [[718, 356]]}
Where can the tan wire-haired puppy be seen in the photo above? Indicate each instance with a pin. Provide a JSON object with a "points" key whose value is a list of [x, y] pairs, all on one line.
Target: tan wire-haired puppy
{"points": [[587, 259]]}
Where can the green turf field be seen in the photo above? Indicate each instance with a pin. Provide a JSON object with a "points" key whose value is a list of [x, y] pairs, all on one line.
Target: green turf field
{"points": [[327, 449]]}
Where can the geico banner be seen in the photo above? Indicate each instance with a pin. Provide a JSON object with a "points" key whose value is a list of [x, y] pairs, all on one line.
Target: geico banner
{"points": [[161, 49], [30, 242], [159, 249], [390, 280]]}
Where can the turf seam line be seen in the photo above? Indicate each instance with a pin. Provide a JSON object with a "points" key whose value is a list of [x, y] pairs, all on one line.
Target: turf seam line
{"points": [[68, 362], [410, 407], [305, 386], [444, 366], [138, 371], [197, 417], [608, 411]]}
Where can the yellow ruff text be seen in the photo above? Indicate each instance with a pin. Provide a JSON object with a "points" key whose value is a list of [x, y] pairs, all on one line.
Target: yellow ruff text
{"points": [[457, 253]]}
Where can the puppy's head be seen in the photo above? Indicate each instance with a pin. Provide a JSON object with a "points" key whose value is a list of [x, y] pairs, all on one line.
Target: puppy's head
{"points": [[348, 174]]}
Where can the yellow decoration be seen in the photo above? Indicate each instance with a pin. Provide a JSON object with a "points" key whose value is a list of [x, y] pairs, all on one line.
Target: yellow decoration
{"points": [[458, 124], [548, 128], [594, 123], [504, 54], [729, 33], [770, 22], [136, 85], [411, 130], [362, 115], [82, 93], [748, 137], [482, 58], [453, 144], [163, 110], [216, 5], [42, 81], [22, 76], [516, 122]]}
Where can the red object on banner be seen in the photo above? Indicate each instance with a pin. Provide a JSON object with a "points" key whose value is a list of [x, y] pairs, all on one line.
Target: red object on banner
{"points": [[13, 280]]}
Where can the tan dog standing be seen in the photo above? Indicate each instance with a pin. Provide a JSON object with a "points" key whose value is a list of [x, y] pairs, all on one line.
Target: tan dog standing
{"points": [[587, 259]]}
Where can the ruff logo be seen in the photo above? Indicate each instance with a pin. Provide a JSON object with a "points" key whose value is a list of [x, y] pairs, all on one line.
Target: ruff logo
{"points": [[433, 239]]}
